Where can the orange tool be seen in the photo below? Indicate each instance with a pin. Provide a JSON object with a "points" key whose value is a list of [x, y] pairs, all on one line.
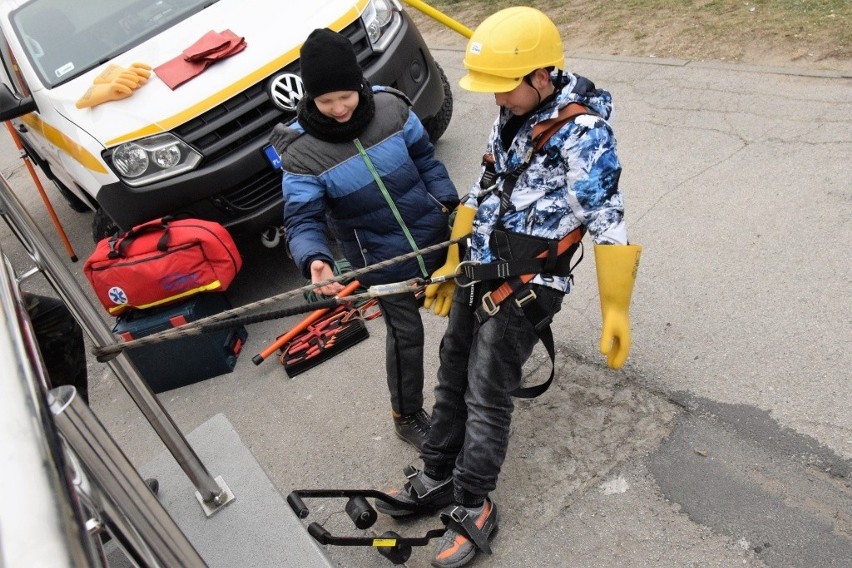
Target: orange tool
{"points": [[41, 191], [301, 326]]}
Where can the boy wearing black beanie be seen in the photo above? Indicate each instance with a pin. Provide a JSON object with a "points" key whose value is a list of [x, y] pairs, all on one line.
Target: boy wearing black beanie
{"points": [[359, 161], [329, 64]]}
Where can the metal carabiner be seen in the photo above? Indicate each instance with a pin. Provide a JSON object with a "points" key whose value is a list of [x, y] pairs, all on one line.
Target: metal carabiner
{"points": [[460, 271]]}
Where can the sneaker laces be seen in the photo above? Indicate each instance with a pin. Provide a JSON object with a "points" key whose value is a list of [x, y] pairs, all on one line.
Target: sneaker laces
{"points": [[420, 420]]}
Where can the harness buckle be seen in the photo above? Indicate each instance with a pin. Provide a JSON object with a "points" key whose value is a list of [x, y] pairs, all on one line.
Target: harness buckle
{"points": [[489, 306], [530, 296], [459, 514]]}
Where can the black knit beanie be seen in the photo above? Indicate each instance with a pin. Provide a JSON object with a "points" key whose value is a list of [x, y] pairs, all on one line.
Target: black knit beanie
{"points": [[329, 64]]}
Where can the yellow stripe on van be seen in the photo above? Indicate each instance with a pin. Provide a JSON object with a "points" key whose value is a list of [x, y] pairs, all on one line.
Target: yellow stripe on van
{"points": [[61, 141], [234, 89]]}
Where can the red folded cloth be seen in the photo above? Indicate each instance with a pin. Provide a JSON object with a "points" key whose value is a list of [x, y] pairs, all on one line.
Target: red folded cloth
{"points": [[212, 47], [234, 45], [178, 71], [209, 43]]}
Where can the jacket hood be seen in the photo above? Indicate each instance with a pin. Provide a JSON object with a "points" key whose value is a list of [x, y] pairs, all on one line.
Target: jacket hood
{"points": [[570, 88], [573, 88]]}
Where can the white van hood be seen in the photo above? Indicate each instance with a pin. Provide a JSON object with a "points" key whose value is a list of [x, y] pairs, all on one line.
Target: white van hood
{"points": [[273, 31]]}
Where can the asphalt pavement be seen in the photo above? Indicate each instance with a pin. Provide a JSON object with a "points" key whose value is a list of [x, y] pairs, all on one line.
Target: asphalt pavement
{"points": [[726, 440]]}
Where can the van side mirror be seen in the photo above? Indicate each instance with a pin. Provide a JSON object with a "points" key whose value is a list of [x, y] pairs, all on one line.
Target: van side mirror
{"points": [[12, 106]]}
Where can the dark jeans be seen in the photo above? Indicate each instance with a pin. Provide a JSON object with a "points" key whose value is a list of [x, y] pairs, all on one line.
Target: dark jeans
{"points": [[403, 351], [480, 367]]}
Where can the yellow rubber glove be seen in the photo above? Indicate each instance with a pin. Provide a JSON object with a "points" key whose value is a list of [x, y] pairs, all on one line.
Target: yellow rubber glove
{"points": [[616, 267], [137, 72], [440, 296], [104, 92], [115, 83]]}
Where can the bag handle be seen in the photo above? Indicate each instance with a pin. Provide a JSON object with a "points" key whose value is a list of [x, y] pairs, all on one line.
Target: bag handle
{"points": [[119, 245]]}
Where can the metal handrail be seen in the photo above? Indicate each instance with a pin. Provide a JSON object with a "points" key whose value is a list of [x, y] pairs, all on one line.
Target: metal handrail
{"points": [[63, 477], [212, 494], [127, 508]]}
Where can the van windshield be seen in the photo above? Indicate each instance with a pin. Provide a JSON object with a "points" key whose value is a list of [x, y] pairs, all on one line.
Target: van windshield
{"points": [[63, 39]]}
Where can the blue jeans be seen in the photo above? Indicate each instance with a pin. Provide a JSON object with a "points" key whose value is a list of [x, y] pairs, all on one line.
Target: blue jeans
{"points": [[480, 366]]}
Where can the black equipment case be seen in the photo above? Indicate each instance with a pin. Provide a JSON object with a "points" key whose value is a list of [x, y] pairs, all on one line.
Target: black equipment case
{"points": [[178, 362]]}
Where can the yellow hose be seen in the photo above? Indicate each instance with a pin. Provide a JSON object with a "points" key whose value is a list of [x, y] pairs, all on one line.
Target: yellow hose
{"points": [[440, 17]]}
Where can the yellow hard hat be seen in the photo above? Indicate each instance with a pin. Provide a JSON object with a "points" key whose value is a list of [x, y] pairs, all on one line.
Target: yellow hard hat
{"points": [[507, 46]]}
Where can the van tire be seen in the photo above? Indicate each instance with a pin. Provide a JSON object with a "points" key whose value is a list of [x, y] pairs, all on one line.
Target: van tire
{"points": [[103, 226], [436, 125]]}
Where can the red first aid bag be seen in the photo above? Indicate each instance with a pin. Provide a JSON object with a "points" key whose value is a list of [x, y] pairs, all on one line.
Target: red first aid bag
{"points": [[162, 261]]}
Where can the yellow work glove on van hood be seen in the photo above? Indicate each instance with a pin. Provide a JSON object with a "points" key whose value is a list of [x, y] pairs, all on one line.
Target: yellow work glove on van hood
{"points": [[114, 83], [137, 73], [616, 267], [440, 296]]}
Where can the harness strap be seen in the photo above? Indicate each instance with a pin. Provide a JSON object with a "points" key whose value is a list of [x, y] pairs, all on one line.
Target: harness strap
{"points": [[541, 133], [526, 299], [491, 300], [560, 266], [459, 520]]}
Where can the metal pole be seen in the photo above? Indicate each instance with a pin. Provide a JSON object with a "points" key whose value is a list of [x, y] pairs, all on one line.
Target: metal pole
{"points": [[132, 513], [213, 493], [440, 17]]}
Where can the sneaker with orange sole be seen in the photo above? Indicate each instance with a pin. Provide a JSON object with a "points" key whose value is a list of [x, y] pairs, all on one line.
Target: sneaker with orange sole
{"points": [[466, 533]]}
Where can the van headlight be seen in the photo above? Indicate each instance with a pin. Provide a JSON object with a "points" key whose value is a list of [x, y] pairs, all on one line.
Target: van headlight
{"points": [[382, 19], [152, 159]]}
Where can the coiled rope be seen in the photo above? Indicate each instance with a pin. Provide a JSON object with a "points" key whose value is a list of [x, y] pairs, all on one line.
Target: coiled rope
{"points": [[233, 317]]}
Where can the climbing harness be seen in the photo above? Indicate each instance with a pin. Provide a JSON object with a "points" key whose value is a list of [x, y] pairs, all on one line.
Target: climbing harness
{"points": [[541, 133], [507, 282], [521, 257]]}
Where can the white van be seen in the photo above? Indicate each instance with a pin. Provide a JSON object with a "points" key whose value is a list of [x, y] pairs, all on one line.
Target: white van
{"points": [[197, 149]]}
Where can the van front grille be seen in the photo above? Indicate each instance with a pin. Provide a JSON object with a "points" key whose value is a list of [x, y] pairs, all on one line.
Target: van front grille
{"points": [[245, 119], [251, 114]]}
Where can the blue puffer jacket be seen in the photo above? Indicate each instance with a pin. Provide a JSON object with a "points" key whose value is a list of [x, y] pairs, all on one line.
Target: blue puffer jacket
{"points": [[330, 185]]}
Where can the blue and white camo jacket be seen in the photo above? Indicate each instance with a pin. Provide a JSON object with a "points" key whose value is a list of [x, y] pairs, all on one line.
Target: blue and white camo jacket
{"points": [[572, 181]]}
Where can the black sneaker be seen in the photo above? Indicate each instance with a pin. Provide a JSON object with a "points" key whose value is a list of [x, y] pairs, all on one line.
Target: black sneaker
{"points": [[424, 494], [413, 428]]}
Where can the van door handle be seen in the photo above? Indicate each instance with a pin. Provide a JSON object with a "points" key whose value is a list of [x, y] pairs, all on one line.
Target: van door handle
{"points": [[22, 128]]}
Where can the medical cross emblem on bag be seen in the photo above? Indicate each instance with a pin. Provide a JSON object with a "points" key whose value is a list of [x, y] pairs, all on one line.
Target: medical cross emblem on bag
{"points": [[117, 295]]}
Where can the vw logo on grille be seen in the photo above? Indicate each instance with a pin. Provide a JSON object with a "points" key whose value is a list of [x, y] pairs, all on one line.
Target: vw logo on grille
{"points": [[286, 90]]}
